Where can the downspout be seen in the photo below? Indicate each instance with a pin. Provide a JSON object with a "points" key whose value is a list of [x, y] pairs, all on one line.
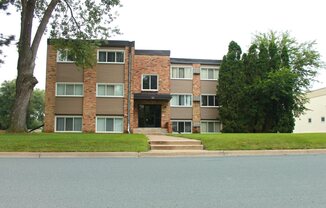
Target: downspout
{"points": [[129, 87]]}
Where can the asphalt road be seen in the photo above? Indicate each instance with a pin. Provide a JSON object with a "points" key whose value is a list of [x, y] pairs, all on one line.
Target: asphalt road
{"points": [[230, 182]]}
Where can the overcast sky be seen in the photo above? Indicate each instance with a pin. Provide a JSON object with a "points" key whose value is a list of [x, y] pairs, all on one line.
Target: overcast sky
{"points": [[197, 29]]}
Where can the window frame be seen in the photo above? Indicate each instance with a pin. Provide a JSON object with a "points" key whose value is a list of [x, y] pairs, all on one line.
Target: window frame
{"points": [[208, 106], [113, 96], [211, 121], [181, 66], [66, 55], [67, 116], [109, 132], [107, 51], [157, 84], [184, 121], [209, 67], [182, 106], [69, 83]]}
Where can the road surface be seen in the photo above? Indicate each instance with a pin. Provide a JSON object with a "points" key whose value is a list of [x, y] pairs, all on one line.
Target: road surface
{"points": [[230, 182]]}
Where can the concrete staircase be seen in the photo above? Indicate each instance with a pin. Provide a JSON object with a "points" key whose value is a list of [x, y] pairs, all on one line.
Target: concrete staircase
{"points": [[151, 131], [174, 143]]}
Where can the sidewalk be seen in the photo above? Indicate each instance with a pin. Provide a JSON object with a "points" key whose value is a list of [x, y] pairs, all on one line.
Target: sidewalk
{"points": [[160, 153]]}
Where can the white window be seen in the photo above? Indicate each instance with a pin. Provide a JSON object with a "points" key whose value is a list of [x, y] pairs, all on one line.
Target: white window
{"points": [[107, 124], [109, 90], [181, 126], [65, 56], [209, 73], [181, 73], [68, 123], [69, 89], [109, 56], [210, 126], [209, 101], [181, 101], [149, 82]]}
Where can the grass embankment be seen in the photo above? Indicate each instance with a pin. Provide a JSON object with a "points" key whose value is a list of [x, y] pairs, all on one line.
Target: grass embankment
{"points": [[226, 141], [62, 142]]}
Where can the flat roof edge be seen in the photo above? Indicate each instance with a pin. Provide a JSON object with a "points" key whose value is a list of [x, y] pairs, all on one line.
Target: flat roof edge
{"points": [[153, 52], [195, 61]]}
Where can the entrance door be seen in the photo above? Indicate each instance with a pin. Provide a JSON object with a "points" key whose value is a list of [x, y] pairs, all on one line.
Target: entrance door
{"points": [[149, 115]]}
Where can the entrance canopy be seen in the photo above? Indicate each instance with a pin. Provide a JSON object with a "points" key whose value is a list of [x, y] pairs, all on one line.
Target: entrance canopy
{"points": [[152, 96]]}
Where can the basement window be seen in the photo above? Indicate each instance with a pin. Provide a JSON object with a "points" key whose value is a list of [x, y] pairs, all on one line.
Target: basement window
{"points": [[68, 124], [181, 127], [210, 126], [105, 124]]}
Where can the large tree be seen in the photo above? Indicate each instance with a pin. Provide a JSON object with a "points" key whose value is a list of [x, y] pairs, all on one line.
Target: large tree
{"points": [[271, 78], [70, 19]]}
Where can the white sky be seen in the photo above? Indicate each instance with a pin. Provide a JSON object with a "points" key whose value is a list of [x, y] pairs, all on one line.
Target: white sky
{"points": [[197, 29]]}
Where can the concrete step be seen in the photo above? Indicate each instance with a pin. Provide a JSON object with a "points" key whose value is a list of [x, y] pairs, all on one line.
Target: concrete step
{"points": [[152, 131], [175, 142], [177, 147]]}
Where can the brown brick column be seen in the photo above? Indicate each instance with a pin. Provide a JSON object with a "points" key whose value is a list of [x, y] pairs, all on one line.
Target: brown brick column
{"points": [[89, 101], [50, 89], [126, 85], [196, 103]]}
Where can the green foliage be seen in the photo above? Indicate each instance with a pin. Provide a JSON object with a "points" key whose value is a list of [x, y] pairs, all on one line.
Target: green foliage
{"points": [[35, 115], [263, 91], [7, 98], [230, 81]]}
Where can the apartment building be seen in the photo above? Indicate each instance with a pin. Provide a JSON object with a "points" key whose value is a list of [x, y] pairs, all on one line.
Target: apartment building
{"points": [[130, 89], [313, 119]]}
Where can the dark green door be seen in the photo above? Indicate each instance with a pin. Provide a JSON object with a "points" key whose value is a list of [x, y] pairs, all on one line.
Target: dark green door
{"points": [[149, 115]]}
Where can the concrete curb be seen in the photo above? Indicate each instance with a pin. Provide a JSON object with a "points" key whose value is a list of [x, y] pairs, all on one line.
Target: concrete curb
{"points": [[160, 153]]}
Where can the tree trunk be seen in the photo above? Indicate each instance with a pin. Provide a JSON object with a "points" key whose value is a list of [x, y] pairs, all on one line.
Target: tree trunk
{"points": [[24, 88]]}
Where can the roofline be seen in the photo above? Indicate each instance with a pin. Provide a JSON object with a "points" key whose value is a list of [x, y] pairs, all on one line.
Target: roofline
{"points": [[316, 93], [153, 52], [195, 61], [105, 43]]}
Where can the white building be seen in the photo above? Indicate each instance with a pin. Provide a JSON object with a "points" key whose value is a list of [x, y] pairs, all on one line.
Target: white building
{"points": [[313, 119]]}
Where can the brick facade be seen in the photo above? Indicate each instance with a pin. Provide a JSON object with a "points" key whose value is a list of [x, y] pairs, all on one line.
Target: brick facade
{"points": [[89, 101], [49, 109], [152, 64], [196, 117], [142, 62], [148, 64]]}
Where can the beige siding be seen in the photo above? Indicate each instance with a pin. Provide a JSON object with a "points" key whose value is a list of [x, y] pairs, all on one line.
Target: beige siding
{"points": [[110, 73], [181, 86], [208, 87], [109, 106], [68, 105], [181, 113], [67, 72], [209, 113]]}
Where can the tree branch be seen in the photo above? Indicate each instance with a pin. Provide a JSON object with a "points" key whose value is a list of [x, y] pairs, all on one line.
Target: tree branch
{"points": [[41, 28], [72, 14]]}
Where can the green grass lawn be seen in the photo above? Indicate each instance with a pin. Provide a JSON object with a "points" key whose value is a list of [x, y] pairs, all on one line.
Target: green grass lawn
{"points": [[226, 141], [63, 142]]}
